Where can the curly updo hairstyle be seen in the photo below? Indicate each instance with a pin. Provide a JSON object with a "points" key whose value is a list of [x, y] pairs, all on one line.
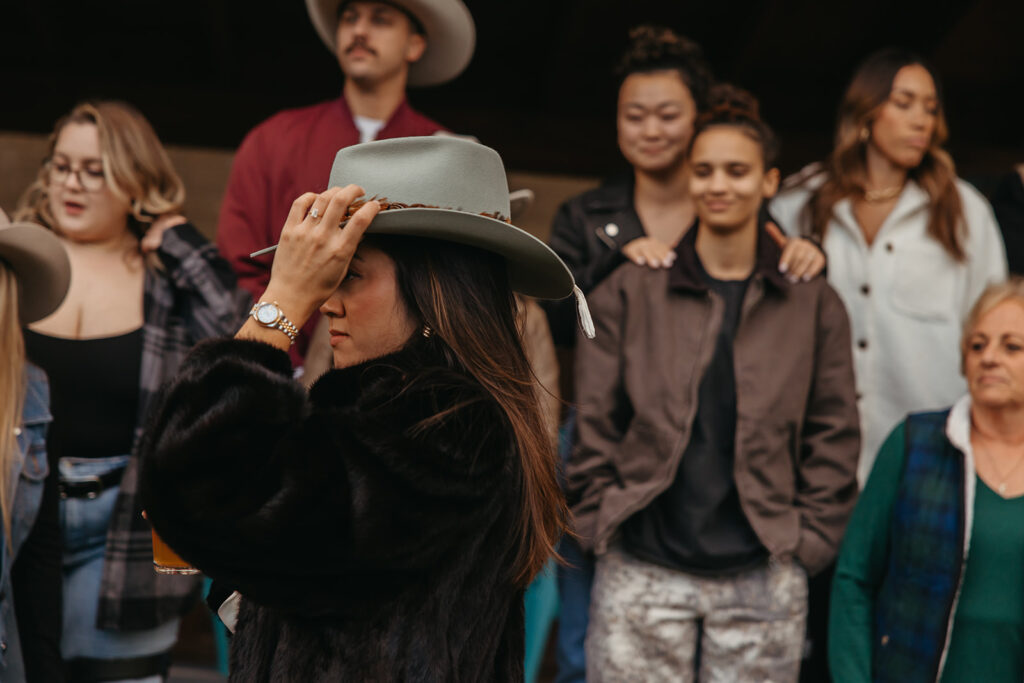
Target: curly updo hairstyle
{"points": [[732, 106], [657, 48]]}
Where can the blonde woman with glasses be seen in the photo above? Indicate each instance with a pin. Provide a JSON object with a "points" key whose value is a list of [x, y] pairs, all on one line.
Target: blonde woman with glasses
{"points": [[145, 287]]}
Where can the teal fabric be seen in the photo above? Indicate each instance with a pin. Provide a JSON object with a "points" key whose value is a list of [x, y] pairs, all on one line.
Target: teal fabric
{"points": [[988, 632], [541, 606], [220, 635]]}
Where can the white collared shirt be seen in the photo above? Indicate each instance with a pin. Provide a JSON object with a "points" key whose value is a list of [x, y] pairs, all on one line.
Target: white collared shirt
{"points": [[907, 299], [368, 128]]}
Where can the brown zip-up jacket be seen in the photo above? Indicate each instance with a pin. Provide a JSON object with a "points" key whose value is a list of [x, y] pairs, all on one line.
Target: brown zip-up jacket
{"points": [[797, 433]]}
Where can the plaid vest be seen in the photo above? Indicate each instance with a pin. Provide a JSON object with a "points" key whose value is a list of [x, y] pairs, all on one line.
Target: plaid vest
{"points": [[914, 607]]}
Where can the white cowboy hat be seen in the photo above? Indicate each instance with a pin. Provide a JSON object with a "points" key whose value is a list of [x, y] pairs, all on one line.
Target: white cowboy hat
{"points": [[40, 265], [447, 188], [448, 25]]}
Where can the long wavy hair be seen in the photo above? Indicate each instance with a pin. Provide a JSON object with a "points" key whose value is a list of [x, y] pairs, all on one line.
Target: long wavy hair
{"points": [[135, 165], [12, 389], [846, 167], [463, 294]]}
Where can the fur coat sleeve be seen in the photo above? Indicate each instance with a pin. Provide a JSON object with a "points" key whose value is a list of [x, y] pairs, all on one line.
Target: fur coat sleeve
{"points": [[384, 471]]}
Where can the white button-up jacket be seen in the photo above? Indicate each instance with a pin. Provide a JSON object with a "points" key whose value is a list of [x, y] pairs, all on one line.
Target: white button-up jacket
{"points": [[906, 297]]}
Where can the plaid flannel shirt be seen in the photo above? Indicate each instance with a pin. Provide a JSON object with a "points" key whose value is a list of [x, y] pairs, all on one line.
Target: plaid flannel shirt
{"points": [[193, 298]]}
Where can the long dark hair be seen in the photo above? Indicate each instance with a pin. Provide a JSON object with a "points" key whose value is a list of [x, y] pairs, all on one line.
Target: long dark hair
{"points": [[462, 293], [865, 96]]}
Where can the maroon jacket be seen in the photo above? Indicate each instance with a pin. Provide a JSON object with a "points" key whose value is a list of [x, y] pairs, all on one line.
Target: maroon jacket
{"points": [[797, 433], [285, 156]]}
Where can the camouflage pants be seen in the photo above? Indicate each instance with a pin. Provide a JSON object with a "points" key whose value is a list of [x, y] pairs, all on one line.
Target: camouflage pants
{"points": [[645, 622]]}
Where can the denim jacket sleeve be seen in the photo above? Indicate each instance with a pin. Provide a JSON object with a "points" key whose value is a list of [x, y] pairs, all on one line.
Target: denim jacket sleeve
{"points": [[32, 467], [33, 569]]}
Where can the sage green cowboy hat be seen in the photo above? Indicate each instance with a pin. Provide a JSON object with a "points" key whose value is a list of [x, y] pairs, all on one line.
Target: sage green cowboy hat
{"points": [[449, 188], [447, 24], [40, 265]]}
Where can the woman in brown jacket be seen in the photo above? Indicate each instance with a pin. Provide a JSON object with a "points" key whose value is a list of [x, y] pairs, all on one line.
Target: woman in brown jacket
{"points": [[718, 435]]}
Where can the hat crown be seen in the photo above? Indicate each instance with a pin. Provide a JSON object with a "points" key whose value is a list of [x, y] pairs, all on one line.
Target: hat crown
{"points": [[452, 190], [437, 171]]}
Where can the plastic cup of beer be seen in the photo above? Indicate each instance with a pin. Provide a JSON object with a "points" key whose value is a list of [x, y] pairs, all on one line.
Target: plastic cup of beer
{"points": [[166, 561]]}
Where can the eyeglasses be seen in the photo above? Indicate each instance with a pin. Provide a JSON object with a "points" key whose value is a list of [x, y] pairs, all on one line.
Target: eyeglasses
{"points": [[91, 178]]}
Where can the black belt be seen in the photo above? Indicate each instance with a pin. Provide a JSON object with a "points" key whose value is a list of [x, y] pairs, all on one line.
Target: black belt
{"points": [[89, 670], [91, 486]]}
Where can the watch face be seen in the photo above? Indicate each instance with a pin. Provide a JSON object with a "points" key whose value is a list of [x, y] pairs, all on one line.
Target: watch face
{"points": [[267, 313]]}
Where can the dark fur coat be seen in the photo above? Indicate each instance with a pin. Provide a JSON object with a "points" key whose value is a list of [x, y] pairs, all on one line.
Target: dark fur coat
{"points": [[369, 525]]}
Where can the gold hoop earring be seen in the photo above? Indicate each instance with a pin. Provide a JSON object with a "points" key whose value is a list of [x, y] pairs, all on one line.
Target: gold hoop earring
{"points": [[865, 134], [427, 331]]}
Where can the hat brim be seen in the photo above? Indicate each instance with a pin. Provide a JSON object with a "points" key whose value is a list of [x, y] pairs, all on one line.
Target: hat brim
{"points": [[449, 27], [41, 265], [533, 268]]}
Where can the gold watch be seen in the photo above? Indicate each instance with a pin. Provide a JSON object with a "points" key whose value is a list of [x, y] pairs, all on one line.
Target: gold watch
{"points": [[269, 314]]}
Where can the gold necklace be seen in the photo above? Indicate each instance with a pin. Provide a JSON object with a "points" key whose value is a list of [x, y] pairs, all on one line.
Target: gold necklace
{"points": [[1002, 478], [883, 195]]}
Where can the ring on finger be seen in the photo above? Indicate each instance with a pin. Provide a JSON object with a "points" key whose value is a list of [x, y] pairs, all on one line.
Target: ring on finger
{"points": [[314, 212]]}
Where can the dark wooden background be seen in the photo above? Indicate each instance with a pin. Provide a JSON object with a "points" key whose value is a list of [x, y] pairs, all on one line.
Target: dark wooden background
{"points": [[539, 87]]}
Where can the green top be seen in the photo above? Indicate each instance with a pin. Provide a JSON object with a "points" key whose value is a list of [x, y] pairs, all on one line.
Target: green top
{"points": [[988, 630]]}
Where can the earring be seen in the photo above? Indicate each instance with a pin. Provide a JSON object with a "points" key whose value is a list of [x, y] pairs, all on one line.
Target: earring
{"points": [[427, 331], [865, 133]]}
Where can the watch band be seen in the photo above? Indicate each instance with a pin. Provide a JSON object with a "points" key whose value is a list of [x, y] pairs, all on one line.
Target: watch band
{"points": [[279, 321]]}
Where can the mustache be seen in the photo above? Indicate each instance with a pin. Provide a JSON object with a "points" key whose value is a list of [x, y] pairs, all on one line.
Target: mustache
{"points": [[360, 43]]}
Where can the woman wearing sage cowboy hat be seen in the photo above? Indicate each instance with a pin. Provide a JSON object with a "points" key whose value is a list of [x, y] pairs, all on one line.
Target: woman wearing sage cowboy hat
{"points": [[383, 526]]}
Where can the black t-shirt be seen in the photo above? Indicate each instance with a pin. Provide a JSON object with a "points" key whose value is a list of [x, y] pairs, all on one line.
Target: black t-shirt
{"points": [[697, 524], [94, 392]]}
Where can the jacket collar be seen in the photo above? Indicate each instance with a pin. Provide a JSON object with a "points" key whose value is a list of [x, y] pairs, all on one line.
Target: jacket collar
{"points": [[913, 199], [687, 271]]}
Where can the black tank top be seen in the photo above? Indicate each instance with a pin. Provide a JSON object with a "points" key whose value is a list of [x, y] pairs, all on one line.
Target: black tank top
{"points": [[94, 392]]}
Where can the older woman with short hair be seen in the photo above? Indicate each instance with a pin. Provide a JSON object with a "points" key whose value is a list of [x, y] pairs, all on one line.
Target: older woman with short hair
{"points": [[921, 591]]}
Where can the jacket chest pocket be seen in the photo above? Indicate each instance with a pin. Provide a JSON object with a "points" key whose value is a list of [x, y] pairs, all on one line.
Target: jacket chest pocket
{"points": [[924, 283], [32, 444]]}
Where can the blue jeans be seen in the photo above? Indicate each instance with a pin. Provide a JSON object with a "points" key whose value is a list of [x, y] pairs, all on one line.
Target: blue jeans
{"points": [[84, 523], [574, 582]]}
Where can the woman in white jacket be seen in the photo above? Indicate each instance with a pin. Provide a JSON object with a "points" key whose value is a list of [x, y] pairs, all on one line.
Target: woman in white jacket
{"points": [[910, 246]]}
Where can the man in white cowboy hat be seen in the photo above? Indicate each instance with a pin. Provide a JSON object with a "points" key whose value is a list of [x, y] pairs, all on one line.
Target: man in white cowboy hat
{"points": [[382, 47]]}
